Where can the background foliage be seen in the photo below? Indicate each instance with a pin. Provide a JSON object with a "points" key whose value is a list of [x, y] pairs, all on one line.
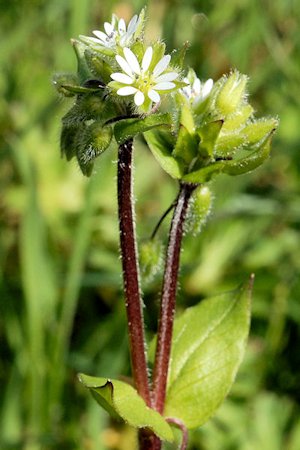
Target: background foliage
{"points": [[61, 291]]}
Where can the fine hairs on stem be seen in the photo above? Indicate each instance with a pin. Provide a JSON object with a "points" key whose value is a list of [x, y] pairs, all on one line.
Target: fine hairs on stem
{"points": [[133, 299], [168, 300], [147, 440]]}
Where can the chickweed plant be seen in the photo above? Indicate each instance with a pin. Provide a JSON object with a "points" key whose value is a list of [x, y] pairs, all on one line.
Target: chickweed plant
{"points": [[196, 130]]}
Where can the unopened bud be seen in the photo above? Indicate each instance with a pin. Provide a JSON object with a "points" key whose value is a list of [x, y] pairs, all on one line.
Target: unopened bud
{"points": [[94, 140], [199, 209], [231, 93]]}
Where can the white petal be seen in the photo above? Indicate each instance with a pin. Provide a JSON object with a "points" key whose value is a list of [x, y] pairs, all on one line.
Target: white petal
{"points": [[122, 78], [114, 20], [139, 98], [108, 28], [127, 90], [147, 59], [100, 35], [207, 87], [197, 86], [169, 76], [124, 65], [93, 40], [132, 60], [161, 65], [122, 26], [132, 25], [164, 86], [124, 40], [154, 96]]}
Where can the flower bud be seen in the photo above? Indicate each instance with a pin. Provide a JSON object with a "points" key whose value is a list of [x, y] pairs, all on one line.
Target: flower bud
{"points": [[91, 106], [69, 139], [98, 66], [199, 210], [94, 140], [231, 93]]}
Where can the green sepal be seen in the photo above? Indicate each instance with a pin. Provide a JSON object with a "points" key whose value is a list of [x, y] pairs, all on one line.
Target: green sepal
{"points": [[70, 135], [64, 82], [94, 140], [251, 162], [237, 120], [122, 401], [186, 117], [159, 49], [161, 144], [141, 24], [178, 55], [208, 134], [98, 137], [231, 93], [199, 209], [209, 342], [247, 137], [228, 143], [98, 66], [74, 90], [97, 48], [255, 131], [138, 48], [128, 128], [83, 71]]}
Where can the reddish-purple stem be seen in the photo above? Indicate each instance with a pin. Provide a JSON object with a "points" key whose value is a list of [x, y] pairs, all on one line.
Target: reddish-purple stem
{"points": [[167, 308], [130, 272], [183, 429]]}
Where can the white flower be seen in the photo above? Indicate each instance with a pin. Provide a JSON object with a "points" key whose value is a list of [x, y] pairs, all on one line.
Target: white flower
{"points": [[142, 81], [115, 33], [197, 92]]}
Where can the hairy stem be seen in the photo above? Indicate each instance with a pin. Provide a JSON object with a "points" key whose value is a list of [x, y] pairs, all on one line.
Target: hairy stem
{"points": [[167, 308], [133, 299]]}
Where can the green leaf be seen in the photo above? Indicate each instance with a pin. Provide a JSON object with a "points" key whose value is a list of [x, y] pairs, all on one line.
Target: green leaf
{"points": [[161, 145], [208, 346], [121, 400], [208, 136], [205, 173], [128, 128], [186, 145]]}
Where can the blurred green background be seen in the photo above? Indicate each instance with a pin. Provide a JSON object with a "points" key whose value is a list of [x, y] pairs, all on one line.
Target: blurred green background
{"points": [[61, 289]]}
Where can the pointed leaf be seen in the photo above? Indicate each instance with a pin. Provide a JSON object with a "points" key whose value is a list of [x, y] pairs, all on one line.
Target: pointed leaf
{"points": [[128, 128], [161, 145], [208, 136], [121, 400], [186, 146], [208, 345]]}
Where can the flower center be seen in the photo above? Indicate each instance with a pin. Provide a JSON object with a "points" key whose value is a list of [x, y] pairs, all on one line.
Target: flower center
{"points": [[144, 82]]}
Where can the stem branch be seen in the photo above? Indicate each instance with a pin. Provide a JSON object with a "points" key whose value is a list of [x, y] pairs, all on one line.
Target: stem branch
{"points": [[167, 308]]}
